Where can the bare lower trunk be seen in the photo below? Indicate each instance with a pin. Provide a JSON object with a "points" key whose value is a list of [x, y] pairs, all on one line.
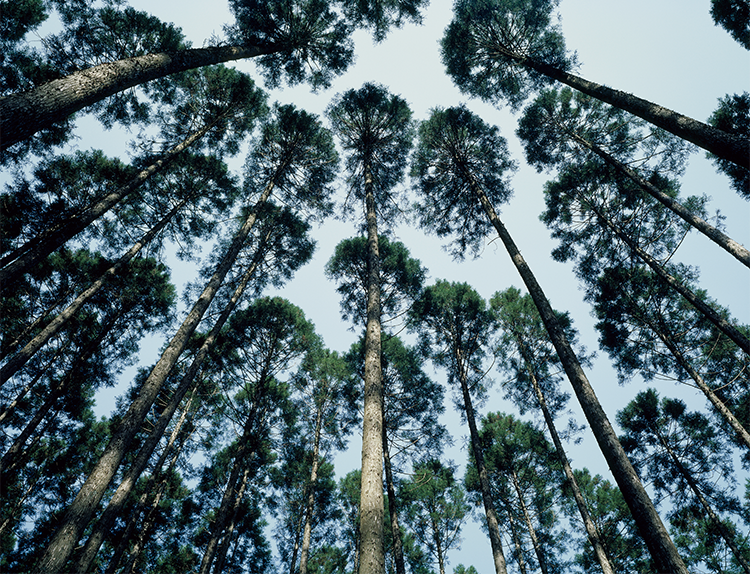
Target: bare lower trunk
{"points": [[80, 511], [25, 113], [372, 558], [484, 482], [516, 541], [529, 524], [398, 547], [310, 508], [652, 530], [221, 554], [54, 326]]}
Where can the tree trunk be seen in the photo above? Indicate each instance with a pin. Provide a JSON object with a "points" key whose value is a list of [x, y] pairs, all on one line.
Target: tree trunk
{"points": [[720, 143], [722, 324], [438, 546], [649, 523], [307, 532], [54, 326], [484, 481], [25, 113], [221, 554], [529, 524], [717, 236], [79, 513], [25, 257], [591, 530], [372, 558], [114, 508], [516, 541], [398, 546], [727, 536]]}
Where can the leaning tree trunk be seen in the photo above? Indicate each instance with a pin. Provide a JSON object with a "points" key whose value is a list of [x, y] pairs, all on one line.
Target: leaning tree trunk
{"points": [[372, 558], [80, 511], [649, 524], [718, 524], [721, 239], [25, 257], [398, 546], [53, 327], [116, 503], [484, 482], [722, 324], [310, 507], [720, 143], [591, 529], [221, 553], [529, 524], [25, 113]]}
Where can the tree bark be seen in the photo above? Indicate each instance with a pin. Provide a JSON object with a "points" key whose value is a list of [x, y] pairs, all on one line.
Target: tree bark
{"points": [[310, 508], [657, 539], [527, 517], [398, 546], [25, 113], [25, 257], [720, 143], [53, 327], [372, 558], [221, 554], [493, 525], [79, 513]]}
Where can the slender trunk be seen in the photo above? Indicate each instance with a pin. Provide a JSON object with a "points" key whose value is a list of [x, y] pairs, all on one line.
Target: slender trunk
{"points": [[484, 482], [516, 541], [295, 548], [591, 530], [372, 558], [717, 403], [398, 546], [717, 236], [221, 553], [54, 326], [79, 513], [529, 524], [114, 508], [720, 143], [25, 257], [660, 545], [310, 508], [25, 113], [438, 545], [151, 487], [722, 324], [725, 534]]}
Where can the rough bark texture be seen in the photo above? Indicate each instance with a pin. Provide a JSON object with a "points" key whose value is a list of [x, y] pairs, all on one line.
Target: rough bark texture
{"points": [[372, 558], [649, 524], [25, 113], [80, 511], [720, 143]]}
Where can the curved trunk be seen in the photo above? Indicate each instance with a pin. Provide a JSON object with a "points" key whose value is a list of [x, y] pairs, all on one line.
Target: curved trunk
{"points": [[591, 530], [25, 113], [529, 524], [720, 143], [54, 326], [25, 257], [722, 324], [79, 513], [484, 482], [398, 547], [114, 508], [660, 545], [372, 558], [717, 236]]}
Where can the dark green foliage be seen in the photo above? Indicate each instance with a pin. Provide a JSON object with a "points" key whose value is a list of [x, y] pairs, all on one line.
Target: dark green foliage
{"points": [[401, 278], [310, 40], [456, 154], [376, 130], [20, 65], [733, 116], [485, 42], [619, 535], [296, 155], [380, 15], [734, 17]]}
